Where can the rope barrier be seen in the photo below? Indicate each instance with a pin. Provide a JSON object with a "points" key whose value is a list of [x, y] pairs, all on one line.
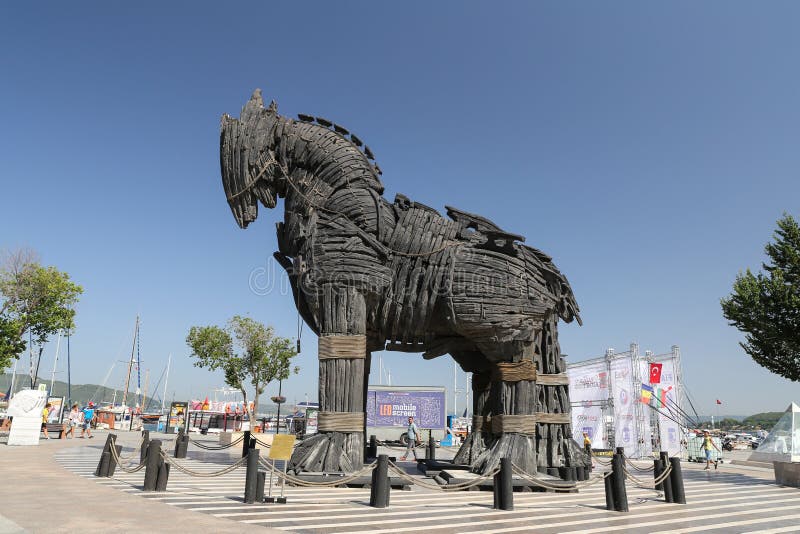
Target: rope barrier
{"points": [[262, 443], [642, 469], [128, 469], [216, 447], [560, 487], [391, 447], [133, 454], [305, 483], [450, 487], [188, 471], [648, 485]]}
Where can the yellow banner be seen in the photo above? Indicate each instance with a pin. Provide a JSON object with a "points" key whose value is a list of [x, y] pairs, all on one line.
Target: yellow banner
{"points": [[282, 445]]}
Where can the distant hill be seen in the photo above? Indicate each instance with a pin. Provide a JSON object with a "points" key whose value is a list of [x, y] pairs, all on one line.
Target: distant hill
{"points": [[81, 393]]}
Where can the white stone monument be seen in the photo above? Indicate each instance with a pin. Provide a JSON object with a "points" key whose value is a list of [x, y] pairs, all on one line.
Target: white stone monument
{"points": [[26, 408]]}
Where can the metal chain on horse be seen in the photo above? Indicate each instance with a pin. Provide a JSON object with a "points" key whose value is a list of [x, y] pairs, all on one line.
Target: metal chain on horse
{"points": [[454, 487], [558, 487], [305, 483], [204, 474], [216, 447], [312, 204], [128, 469]]}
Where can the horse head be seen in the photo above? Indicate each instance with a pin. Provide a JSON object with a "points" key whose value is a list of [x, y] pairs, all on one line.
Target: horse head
{"points": [[248, 167]]}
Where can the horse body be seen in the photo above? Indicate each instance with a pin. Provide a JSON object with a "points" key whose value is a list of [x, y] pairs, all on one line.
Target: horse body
{"points": [[400, 274]]}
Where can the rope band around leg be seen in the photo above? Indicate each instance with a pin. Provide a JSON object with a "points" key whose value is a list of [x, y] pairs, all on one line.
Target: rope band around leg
{"points": [[522, 424], [340, 422], [481, 423], [345, 347], [514, 371]]}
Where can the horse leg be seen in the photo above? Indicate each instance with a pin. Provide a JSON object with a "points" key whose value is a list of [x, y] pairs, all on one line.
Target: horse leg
{"points": [[343, 356], [475, 443], [555, 446], [512, 400]]}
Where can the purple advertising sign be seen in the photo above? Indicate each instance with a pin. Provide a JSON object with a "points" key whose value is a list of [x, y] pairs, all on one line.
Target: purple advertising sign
{"points": [[392, 408]]}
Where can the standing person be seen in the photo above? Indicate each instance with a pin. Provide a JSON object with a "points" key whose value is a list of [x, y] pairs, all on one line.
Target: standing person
{"points": [[587, 447], [708, 443], [412, 433], [88, 415], [45, 414], [73, 420]]}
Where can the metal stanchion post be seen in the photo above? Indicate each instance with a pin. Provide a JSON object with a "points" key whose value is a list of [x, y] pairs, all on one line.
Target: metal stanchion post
{"points": [[151, 467], [676, 479], [667, 485], [251, 479], [282, 498], [269, 498], [379, 491], [618, 476]]}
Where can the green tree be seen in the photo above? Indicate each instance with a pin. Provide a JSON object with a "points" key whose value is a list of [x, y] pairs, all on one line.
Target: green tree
{"points": [[766, 306], [247, 352], [33, 299]]}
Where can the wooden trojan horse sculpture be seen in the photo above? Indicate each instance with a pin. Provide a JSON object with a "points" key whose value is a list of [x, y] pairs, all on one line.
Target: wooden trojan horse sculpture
{"points": [[371, 275]]}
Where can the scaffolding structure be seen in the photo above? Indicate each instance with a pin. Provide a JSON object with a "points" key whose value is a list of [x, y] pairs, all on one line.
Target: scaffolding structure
{"points": [[606, 397]]}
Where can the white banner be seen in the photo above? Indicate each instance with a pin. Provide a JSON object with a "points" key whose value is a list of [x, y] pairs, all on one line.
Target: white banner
{"points": [[625, 397], [665, 398]]}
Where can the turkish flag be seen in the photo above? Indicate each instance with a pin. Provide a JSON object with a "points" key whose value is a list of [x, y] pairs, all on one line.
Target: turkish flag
{"points": [[655, 373], [719, 401]]}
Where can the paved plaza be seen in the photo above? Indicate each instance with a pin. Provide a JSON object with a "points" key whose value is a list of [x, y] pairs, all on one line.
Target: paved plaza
{"points": [[54, 490]]}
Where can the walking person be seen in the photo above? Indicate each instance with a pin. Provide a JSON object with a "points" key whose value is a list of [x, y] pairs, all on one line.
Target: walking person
{"points": [[45, 414], [73, 420], [412, 433], [88, 415], [587, 447], [707, 445]]}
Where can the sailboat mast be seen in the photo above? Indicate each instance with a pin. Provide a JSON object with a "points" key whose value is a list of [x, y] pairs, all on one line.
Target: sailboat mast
{"points": [[55, 364], [144, 392], [169, 361], [130, 363]]}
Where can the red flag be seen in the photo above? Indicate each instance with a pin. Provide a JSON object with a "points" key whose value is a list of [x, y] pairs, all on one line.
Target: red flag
{"points": [[655, 373], [719, 401]]}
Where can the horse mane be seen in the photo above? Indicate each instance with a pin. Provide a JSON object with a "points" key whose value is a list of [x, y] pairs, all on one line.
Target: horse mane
{"points": [[345, 134]]}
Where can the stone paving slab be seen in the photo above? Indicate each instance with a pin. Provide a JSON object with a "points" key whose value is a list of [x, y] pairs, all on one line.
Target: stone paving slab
{"points": [[39, 495]]}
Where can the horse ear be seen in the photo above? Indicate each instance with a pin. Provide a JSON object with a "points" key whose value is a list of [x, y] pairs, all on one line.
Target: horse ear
{"points": [[273, 107], [253, 106]]}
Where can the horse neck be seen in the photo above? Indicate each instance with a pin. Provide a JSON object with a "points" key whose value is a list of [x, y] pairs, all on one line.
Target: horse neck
{"points": [[317, 163]]}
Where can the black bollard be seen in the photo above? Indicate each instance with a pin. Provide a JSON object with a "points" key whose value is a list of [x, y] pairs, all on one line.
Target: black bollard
{"points": [[588, 450], [246, 443], [251, 478], [163, 476], [379, 491], [504, 486], [580, 473], [658, 468], [609, 484], [152, 464], [106, 448], [183, 446], [112, 461], [676, 480], [431, 453], [667, 485], [261, 480], [102, 469], [618, 476], [178, 440], [145, 443], [372, 450]]}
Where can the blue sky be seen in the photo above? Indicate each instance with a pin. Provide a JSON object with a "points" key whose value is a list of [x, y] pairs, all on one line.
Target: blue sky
{"points": [[648, 147]]}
